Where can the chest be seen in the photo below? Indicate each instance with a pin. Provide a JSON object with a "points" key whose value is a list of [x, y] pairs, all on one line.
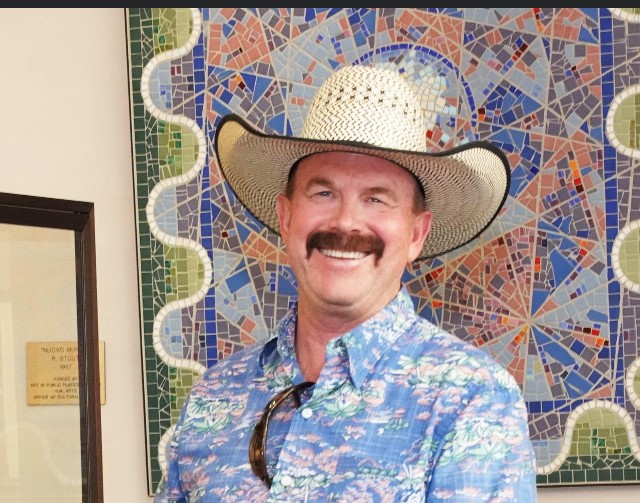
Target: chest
{"points": [[341, 444]]}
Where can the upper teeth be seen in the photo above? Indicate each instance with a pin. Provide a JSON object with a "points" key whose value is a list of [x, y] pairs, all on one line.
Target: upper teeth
{"points": [[343, 254]]}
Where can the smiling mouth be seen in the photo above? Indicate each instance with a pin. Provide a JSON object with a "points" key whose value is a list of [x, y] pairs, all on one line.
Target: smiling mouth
{"points": [[345, 246], [349, 255]]}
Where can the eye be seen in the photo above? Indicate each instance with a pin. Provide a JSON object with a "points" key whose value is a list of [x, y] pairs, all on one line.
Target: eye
{"points": [[320, 194], [376, 200], [320, 190]]}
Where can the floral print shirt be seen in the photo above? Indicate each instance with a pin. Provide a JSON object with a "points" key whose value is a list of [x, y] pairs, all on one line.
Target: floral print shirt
{"points": [[401, 412]]}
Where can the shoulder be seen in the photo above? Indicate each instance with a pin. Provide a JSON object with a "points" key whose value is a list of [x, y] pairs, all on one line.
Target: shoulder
{"points": [[454, 360], [234, 369]]}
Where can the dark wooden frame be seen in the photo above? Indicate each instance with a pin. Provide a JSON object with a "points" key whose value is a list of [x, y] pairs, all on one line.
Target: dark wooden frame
{"points": [[77, 216]]}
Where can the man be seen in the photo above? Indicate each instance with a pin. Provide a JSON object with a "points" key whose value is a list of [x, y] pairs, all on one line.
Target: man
{"points": [[356, 397]]}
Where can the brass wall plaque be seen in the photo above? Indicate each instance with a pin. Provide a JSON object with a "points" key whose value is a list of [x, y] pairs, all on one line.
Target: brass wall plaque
{"points": [[52, 373]]}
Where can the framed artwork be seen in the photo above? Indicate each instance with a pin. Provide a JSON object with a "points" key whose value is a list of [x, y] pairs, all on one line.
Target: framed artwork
{"points": [[551, 290], [52, 378]]}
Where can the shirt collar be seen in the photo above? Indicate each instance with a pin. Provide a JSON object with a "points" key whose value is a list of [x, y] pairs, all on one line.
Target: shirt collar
{"points": [[363, 346], [367, 342], [278, 357]]}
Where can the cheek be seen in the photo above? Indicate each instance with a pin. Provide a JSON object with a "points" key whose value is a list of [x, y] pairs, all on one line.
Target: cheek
{"points": [[395, 234], [306, 217], [300, 226], [389, 229]]}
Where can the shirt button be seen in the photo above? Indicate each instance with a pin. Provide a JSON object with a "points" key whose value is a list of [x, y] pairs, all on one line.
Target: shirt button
{"points": [[307, 413], [286, 481]]}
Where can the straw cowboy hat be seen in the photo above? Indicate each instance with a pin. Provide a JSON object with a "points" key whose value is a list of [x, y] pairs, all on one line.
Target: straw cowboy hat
{"points": [[372, 111]]}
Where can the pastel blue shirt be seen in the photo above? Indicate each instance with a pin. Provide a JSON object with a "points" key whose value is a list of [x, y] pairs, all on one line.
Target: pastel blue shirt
{"points": [[401, 412]]}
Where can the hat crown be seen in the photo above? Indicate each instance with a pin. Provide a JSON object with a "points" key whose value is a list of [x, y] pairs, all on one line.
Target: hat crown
{"points": [[368, 105]]}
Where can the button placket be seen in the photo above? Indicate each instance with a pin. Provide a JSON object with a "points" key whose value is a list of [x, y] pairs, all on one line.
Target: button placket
{"points": [[298, 427]]}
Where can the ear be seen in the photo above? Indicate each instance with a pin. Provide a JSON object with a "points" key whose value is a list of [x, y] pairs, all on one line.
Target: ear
{"points": [[283, 209], [421, 228]]}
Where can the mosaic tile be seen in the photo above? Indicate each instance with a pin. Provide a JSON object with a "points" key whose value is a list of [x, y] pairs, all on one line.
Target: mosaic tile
{"points": [[550, 290]]}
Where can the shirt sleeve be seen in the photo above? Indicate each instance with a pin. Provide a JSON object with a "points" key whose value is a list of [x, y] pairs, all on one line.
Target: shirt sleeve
{"points": [[487, 455], [170, 488]]}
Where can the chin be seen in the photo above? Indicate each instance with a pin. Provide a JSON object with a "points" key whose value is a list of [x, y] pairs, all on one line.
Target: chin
{"points": [[341, 300], [338, 300]]}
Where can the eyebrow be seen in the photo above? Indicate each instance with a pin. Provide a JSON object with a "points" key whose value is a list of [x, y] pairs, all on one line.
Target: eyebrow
{"points": [[325, 182], [319, 180]]}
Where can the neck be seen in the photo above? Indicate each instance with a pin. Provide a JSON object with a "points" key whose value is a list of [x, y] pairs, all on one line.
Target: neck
{"points": [[313, 331]]}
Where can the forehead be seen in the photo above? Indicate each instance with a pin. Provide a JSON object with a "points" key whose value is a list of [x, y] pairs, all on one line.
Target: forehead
{"points": [[342, 167]]}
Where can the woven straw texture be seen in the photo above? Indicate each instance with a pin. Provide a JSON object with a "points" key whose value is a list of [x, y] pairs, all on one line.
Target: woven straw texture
{"points": [[372, 111]]}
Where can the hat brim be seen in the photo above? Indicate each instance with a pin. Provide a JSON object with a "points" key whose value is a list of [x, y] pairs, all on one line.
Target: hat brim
{"points": [[465, 187]]}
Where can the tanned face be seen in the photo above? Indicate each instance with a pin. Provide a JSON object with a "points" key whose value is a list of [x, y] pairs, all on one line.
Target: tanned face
{"points": [[351, 227]]}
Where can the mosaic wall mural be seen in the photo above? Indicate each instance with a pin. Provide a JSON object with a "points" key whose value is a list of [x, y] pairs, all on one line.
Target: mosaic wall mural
{"points": [[552, 290]]}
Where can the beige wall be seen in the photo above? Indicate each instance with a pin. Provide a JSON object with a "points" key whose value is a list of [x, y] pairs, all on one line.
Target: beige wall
{"points": [[64, 133]]}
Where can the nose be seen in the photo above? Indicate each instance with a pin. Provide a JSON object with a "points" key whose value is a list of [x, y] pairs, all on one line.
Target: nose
{"points": [[347, 216]]}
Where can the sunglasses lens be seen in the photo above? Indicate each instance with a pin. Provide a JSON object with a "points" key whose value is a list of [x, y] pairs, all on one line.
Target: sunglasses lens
{"points": [[257, 458], [258, 443]]}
